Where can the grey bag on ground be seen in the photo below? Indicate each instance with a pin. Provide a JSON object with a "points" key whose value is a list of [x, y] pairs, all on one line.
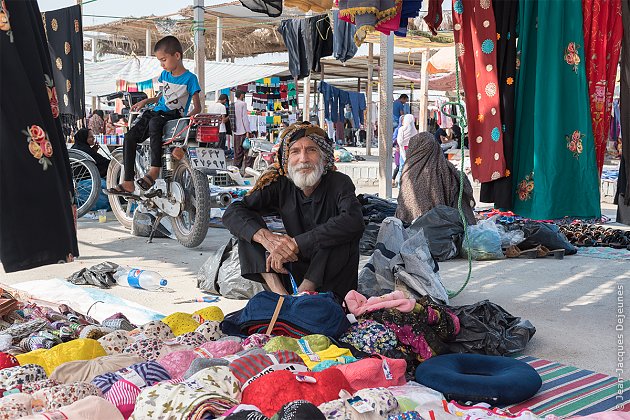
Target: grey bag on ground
{"points": [[221, 274], [401, 262]]}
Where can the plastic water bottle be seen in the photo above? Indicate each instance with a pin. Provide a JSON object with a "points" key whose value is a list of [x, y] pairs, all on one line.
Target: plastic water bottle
{"points": [[139, 279]]}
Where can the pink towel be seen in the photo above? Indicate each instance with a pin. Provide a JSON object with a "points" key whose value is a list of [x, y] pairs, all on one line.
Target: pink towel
{"points": [[359, 304]]}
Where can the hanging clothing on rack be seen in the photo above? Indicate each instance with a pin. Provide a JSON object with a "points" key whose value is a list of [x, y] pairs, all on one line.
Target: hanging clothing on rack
{"points": [[272, 8], [321, 40], [367, 15], [36, 189], [295, 40], [344, 47], [499, 192], [475, 45], [602, 46], [410, 10], [335, 101], [433, 18], [555, 174]]}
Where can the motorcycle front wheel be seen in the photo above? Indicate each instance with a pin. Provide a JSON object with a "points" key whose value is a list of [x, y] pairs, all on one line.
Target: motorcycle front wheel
{"points": [[122, 207], [191, 226]]}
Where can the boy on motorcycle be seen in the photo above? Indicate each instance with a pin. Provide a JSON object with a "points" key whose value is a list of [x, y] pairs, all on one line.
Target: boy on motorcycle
{"points": [[180, 87]]}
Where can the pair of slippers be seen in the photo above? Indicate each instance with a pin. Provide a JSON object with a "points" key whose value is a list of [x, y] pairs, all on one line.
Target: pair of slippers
{"points": [[539, 252], [145, 183]]}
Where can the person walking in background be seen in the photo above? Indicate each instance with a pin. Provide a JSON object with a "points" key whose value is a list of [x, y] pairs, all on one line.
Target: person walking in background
{"points": [[405, 133], [396, 152], [399, 108], [97, 122], [241, 129]]}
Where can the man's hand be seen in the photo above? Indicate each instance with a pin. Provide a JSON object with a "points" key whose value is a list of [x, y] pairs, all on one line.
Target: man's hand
{"points": [[307, 286], [276, 264], [281, 247], [138, 105]]}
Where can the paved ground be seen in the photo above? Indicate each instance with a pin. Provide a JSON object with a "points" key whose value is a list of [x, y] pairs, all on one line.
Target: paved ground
{"points": [[572, 303]]}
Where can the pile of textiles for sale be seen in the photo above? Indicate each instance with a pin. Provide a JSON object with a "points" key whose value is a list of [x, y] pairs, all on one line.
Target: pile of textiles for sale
{"points": [[317, 362]]}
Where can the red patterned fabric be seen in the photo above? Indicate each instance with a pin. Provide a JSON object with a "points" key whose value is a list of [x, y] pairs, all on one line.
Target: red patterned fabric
{"points": [[475, 46], [602, 38]]}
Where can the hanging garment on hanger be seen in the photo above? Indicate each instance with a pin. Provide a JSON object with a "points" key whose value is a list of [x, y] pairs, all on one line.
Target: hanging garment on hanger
{"points": [[65, 43], [499, 192], [36, 189], [367, 15], [344, 47], [602, 46], [295, 41], [272, 8], [433, 18], [555, 174], [358, 106], [320, 41], [475, 44], [410, 10]]}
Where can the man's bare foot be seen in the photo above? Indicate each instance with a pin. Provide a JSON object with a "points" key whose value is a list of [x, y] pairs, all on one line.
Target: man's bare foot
{"points": [[128, 186], [274, 283]]}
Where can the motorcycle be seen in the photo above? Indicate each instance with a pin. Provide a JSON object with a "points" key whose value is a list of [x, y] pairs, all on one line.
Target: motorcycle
{"points": [[263, 152], [181, 192]]}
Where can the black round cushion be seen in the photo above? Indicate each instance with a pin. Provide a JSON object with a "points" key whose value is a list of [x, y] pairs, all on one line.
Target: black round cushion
{"points": [[494, 380]]}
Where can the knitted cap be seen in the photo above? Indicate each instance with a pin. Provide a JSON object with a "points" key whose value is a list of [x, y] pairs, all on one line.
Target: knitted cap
{"points": [[181, 323], [211, 313], [150, 373]]}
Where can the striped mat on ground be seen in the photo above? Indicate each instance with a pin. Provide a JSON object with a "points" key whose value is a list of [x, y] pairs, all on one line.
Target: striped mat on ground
{"points": [[570, 391]]}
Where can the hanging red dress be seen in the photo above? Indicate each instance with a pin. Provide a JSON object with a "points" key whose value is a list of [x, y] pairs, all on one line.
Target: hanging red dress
{"points": [[602, 38], [475, 44]]}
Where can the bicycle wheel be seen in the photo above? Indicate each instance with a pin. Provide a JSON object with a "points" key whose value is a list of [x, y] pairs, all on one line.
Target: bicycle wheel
{"points": [[122, 208], [86, 180]]}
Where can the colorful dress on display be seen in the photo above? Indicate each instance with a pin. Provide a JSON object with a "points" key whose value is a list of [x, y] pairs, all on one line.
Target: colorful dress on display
{"points": [[475, 46], [602, 43], [555, 174]]}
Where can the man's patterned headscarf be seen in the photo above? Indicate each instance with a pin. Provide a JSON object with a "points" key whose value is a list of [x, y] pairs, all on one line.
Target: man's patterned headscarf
{"points": [[288, 137]]}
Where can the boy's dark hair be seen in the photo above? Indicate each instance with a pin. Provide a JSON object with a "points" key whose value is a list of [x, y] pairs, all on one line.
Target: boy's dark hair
{"points": [[223, 97], [239, 93], [99, 112], [169, 45], [403, 96]]}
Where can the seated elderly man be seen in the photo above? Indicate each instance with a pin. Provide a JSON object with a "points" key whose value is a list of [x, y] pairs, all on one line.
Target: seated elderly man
{"points": [[321, 215]]}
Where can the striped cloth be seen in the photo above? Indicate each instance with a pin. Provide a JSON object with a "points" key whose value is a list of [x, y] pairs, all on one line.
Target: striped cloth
{"points": [[150, 372], [246, 367], [568, 391], [123, 395]]}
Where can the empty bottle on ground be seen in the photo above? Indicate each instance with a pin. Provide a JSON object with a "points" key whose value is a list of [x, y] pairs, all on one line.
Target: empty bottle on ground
{"points": [[139, 279]]}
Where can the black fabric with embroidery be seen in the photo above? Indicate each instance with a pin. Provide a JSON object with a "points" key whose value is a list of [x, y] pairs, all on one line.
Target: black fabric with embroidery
{"points": [[500, 191], [36, 222], [64, 32]]}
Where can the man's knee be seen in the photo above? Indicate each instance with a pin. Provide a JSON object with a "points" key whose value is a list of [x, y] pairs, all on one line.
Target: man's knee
{"points": [[156, 125]]}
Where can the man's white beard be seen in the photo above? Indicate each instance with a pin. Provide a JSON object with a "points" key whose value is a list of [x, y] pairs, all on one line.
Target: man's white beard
{"points": [[304, 180]]}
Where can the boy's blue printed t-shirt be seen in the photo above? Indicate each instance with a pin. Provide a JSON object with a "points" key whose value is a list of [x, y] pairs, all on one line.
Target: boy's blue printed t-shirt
{"points": [[177, 91]]}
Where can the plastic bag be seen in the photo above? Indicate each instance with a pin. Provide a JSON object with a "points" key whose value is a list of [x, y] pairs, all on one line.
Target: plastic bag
{"points": [[342, 155], [368, 240], [443, 229], [545, 234], [484, 242], [100, 275], [510, 237]]}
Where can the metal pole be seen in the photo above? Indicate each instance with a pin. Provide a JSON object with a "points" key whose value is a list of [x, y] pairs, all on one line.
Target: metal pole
{"points": [[307, 99], [200, 48], [94, 47], [322, 113], [385, 123], [369, 126], [219, 48], [424, 92], [147, 41]]}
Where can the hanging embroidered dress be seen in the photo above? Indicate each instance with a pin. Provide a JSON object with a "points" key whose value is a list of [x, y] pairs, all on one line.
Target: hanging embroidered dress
{"points": [[602, 43], [555, 174], [36, 221]]}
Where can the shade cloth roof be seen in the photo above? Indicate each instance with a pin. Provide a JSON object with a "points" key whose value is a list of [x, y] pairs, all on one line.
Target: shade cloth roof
{"points": [[100, 77]]}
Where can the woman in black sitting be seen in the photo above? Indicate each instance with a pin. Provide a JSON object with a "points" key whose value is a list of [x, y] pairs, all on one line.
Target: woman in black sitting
{"points": [[84, 141]]}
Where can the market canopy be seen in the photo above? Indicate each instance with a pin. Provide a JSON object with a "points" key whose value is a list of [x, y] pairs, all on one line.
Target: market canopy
{"points": [[101, 77]]}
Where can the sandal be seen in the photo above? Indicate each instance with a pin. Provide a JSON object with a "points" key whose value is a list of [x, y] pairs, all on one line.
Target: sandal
{"points": [[146, 182], [117, 190], [515, 252]]}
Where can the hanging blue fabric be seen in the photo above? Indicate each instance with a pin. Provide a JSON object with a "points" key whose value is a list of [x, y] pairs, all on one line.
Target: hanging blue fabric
{"points": [[410, 10]]}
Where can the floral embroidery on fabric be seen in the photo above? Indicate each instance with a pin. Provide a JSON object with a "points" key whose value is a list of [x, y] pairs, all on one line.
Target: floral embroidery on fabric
{"points": [[5, 25], [526, 187], [52, 96], [571, 55], [39, 145], [574, 143]]}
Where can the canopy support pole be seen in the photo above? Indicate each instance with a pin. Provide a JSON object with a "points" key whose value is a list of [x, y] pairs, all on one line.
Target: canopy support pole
{"points": [[147, 41], [424, 92], [307, 99], [322, 105], [200, 48], [219, 48], [368, 123], [385, 123]]}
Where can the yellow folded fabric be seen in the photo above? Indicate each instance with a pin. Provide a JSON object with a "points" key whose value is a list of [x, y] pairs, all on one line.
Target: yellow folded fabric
{"points": [[49, 359], [316, 342], [181, 323], [331, 353], [211, 313]]}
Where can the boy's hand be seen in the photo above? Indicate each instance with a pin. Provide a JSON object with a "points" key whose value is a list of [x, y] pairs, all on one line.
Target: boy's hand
{"points": [[139, 105]]}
